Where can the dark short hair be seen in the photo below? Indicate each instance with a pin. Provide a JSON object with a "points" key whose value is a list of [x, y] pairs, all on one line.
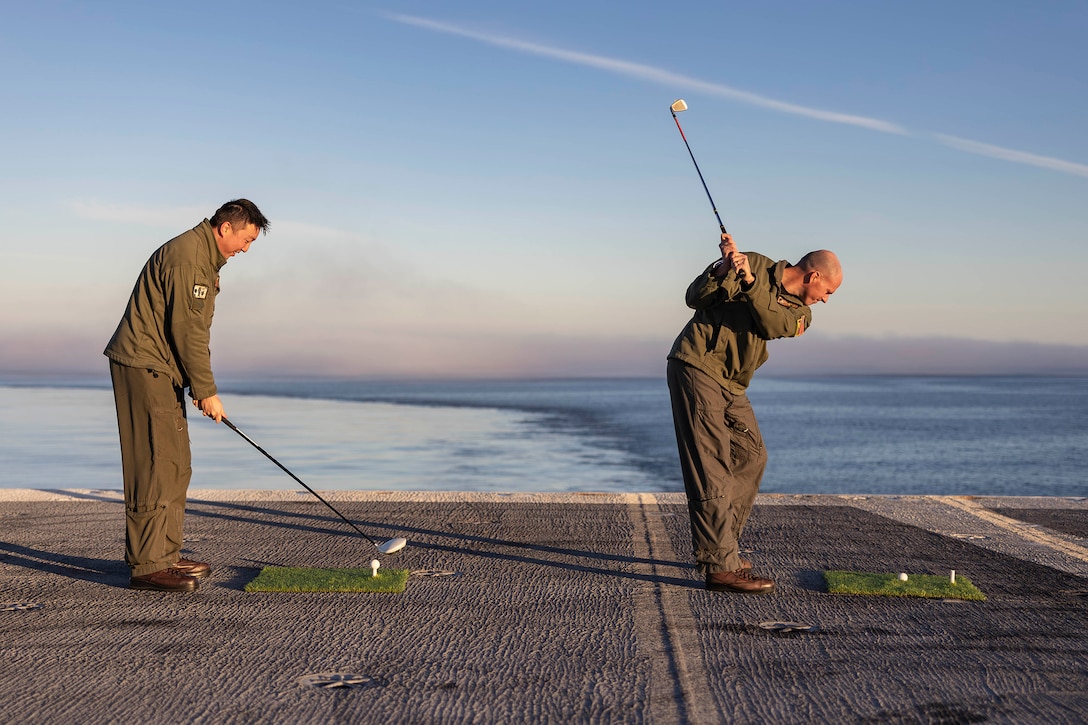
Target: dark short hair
{"points": [[240, 213]]}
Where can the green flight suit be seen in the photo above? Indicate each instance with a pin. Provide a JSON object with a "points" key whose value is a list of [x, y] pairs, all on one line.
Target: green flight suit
{"points": [[160, 347], [711, 363]]}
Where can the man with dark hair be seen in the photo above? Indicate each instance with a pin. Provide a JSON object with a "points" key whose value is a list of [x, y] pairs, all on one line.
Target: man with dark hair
{"points": [[741, 301], [160, 348]]}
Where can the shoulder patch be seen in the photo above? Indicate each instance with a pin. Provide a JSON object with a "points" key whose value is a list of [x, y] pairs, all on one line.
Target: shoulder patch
{"points": [[800, 327], [200, 291], [786, 303]]}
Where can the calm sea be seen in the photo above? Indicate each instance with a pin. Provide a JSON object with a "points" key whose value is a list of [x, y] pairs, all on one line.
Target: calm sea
{"points": [[857, 435]]}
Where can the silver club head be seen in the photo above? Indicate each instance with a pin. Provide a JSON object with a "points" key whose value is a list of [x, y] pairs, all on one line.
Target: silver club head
{"points": [[679, 105], [393, 545]]}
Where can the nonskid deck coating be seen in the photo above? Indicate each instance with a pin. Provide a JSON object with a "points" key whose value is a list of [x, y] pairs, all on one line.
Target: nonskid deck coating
{"points": [[546, 610]]}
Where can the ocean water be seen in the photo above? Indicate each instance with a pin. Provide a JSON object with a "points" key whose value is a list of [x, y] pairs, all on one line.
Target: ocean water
{"points": [[1010, 436]]}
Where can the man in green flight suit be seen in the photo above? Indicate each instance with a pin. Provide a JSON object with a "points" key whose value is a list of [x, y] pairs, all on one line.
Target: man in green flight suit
{"points": [[741, 301], [160, 348]]}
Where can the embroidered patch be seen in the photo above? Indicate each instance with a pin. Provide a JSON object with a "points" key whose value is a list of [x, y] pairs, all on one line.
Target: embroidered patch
{"points": [[200, 291], [786, 303], [800, 327]]}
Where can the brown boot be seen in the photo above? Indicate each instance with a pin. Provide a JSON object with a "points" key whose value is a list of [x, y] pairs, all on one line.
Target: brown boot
{"points": [[165, 580], [743, 581], [193, 568]]}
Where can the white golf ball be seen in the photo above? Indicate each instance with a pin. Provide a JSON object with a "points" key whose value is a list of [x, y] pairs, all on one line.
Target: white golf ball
{"points": [[374, 565], [903, 576]]}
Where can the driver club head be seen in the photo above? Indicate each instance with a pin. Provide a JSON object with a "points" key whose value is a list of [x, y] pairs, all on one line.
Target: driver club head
{"points": [[679, 105], [392, 546]]}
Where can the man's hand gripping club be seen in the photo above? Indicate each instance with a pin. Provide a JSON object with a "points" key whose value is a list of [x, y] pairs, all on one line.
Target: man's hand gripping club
{"points": [[211, 407], [734, 259]]}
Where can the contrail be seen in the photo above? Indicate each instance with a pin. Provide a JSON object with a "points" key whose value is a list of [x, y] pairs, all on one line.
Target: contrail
{"points": [[637, 70], [677, 81], [1019, 157]]}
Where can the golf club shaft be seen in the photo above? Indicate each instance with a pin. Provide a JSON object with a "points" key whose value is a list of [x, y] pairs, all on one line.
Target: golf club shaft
{"points": [[300, 481], [708, 196]]}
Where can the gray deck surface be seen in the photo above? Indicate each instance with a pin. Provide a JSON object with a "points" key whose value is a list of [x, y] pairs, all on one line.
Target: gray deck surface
{"points": [[552, 608]]}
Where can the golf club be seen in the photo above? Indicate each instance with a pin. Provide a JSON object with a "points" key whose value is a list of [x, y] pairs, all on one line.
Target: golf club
{"points": [[677, 106], [390, 547]]}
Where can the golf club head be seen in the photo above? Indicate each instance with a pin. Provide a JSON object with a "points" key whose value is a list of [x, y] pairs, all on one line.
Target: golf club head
{"points": [[679, 105], [392, 546]]}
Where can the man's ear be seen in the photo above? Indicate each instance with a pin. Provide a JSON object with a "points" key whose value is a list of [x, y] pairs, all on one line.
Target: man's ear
{"points": [[812, 276], [224, 229]]}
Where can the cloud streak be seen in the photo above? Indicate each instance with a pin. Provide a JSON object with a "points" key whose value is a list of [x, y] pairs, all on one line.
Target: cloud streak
{"points": [[678, 81], [1019, 157], [649, 73]]}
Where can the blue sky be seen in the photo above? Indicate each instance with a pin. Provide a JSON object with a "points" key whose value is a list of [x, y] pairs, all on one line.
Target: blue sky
{"points": [[495, 188]]}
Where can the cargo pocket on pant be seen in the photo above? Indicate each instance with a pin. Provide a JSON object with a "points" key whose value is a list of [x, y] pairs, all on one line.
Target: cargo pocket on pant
{"points": [[167, 430], [745, 443], [144, 540], [711, 462], [713, 437]]}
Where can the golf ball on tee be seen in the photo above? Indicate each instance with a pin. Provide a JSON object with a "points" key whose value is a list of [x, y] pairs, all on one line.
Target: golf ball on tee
{"points": [[903, 576], [374, 564]]}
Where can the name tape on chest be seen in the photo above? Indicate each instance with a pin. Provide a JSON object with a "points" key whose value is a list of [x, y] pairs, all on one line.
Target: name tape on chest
{"points": [[200, 291]]}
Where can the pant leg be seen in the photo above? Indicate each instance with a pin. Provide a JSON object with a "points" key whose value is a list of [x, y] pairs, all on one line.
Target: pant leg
{"points": [[722, 460], [749, 459], [156, 466]]}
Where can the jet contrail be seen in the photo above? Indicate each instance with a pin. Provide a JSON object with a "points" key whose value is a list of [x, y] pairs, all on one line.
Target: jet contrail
{"points": [[677, 81], [1019, 157], [637, 70]]}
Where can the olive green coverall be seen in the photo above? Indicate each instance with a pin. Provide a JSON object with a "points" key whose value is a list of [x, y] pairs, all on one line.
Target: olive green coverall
{"points": [[160, 347], [722, 457]]}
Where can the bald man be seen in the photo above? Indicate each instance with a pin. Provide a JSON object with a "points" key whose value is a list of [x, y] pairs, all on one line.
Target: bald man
{"points": [[741, 301]]}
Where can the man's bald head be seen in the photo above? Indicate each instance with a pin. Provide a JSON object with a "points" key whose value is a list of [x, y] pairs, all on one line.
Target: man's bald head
{"points": [[824, 262], [815, 276]]}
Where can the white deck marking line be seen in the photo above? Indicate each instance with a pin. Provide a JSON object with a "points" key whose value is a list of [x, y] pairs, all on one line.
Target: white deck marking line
{"points": [[673, 650], [1020, 528]]}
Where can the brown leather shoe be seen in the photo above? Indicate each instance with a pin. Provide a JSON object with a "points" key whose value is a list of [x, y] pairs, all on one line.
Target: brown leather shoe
{"points": [[743, 581], [165, 580], [193, 568]]}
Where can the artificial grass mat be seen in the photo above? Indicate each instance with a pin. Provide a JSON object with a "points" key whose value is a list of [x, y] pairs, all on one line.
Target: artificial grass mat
{"points": [[888, 585], [302, 579]]}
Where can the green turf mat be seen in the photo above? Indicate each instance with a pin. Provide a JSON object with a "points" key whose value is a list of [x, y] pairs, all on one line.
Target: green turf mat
{"points": [[888, 585], [301, 579]]}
